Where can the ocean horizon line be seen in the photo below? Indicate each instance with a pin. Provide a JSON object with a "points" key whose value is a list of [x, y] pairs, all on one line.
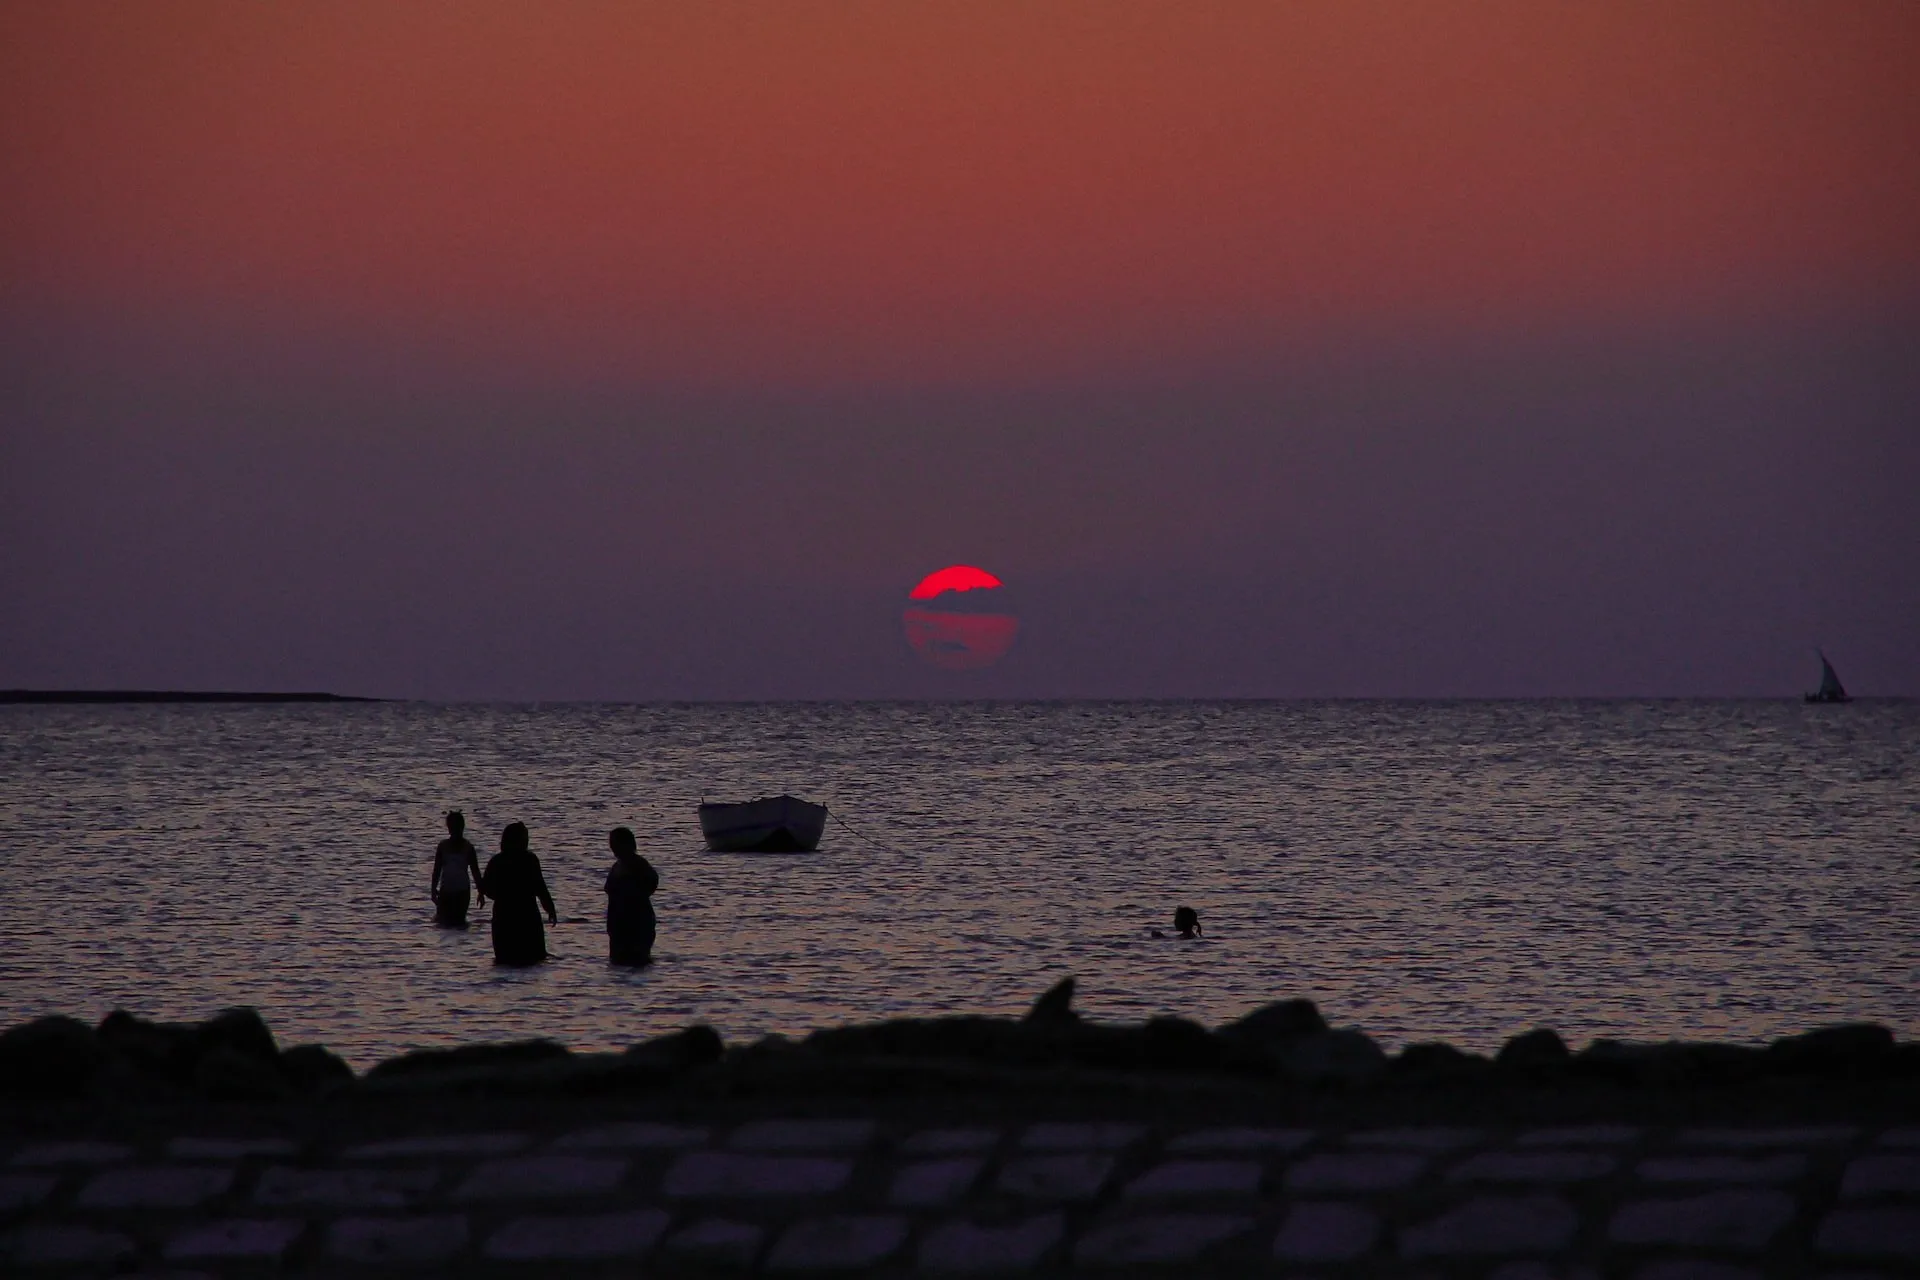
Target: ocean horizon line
{"points": [[109, 697]]}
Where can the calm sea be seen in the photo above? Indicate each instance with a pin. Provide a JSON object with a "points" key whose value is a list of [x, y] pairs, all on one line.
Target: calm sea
{"points": [[1424, 870]]}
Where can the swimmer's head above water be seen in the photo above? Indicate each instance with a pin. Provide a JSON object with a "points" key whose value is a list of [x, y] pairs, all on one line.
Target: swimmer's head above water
{"points": [[1187, 921]]}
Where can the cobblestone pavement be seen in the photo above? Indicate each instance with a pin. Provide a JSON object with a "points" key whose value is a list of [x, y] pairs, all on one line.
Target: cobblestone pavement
{"points": [[856, 1196]]}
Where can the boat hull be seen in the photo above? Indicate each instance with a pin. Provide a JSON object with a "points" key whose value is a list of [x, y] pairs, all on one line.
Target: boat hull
{"points": [[772, 824]]}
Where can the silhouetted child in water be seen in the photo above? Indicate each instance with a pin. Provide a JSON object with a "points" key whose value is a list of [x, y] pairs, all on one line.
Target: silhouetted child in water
{"points": [[518, 890], [456, 867], [1186, 922], [630, 886]]}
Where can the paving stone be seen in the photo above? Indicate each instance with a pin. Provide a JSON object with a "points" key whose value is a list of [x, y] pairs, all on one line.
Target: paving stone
{"points": [[543, 1176], [1241, 1139], [1585, 1135], [1743, 1169], [1415, 1139], [1015, 1246], [447, 1144], [944, 1142], [258, 1238], [397, 1241], [1494, 1224], [1081, 1137], [51, 1244], [926, 1183], [1900, 1138], [1694, 1269], [1077, 1176], [1197, 1178], [604, 1235], [1537, 1167], [729, 1173], [1882, 1175], [1717, 1220], [1326, 1231], [1349, 1171], [802, 1135], [43, 1154], [1872, 1233], [1760, 1139], [155, 1187], [1536, 1269], [840, 1242], [22, 1190], [641, 1136], [1165, 1237], [343, 1188], [229, 1149], [717, 1242]]}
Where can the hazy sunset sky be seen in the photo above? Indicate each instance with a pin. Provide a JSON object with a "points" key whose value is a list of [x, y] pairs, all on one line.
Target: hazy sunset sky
{"points": [[629, 351]]}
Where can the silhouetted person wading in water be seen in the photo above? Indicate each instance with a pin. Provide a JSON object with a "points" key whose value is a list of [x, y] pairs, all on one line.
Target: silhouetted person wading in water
{"points": [[1186, 922], [630, 886], [518, 890], [456, 867]]}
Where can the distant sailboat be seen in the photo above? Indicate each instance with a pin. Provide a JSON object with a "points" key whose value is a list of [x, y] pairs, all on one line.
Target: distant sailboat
{"points": [[1830, 690]]}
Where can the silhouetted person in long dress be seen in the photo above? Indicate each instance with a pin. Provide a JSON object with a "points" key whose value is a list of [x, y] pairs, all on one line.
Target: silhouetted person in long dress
{"points": [[456, 868], [518, 890], [630, 886]]}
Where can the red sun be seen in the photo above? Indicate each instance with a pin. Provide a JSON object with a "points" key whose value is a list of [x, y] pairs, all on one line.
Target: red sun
{"points": [[955, 577], [959, 619]]}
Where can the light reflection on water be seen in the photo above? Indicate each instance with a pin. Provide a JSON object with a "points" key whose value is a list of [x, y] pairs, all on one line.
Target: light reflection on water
{"points": [[1457, 871]]}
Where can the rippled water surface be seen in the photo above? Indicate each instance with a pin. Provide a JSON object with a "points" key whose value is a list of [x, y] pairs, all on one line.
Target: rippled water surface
{"points": [[1424, 870]]}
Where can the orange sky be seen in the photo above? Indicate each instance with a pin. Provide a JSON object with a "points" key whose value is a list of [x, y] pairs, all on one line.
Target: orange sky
{"points": [[840, 192]]}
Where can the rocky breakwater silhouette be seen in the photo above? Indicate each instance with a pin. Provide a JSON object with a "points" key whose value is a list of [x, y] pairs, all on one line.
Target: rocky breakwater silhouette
{"points": [[1049, 1143]]}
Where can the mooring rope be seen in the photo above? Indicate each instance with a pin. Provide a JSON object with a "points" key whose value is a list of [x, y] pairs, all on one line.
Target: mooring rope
{"points": [[887, 848]]}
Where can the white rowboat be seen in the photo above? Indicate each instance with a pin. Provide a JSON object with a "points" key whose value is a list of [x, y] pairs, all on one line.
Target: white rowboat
{"points": [[771, 824]]}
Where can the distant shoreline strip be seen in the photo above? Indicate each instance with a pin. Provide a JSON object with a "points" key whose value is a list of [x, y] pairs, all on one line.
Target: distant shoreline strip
{"points": [[167, 695]]}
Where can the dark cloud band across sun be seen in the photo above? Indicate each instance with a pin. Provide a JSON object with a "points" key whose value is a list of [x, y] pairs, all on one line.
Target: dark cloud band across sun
{"points": [[958, 619]]}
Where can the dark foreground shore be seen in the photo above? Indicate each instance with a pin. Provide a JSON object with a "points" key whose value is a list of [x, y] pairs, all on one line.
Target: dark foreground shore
{"points": [[1273, 1145]]}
